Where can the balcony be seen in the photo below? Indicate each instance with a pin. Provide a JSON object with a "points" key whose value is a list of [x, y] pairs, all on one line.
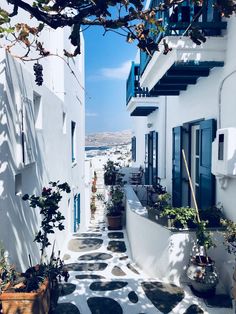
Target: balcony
{"points": [[139, 101], [185, 64], [178, 19]]}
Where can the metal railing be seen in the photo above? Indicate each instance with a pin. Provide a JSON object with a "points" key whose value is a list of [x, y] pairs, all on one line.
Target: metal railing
{"points": [[184, 16]]}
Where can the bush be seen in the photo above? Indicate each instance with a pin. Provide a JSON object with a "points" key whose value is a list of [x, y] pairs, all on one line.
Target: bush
{"points": [[181, 216]]}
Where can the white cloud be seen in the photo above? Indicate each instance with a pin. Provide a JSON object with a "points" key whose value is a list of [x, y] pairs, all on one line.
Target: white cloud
{"points": [[91, 114], [121, 72]]}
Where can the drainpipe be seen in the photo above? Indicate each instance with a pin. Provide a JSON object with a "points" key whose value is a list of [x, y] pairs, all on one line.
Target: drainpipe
{"points": [[219, 97]]}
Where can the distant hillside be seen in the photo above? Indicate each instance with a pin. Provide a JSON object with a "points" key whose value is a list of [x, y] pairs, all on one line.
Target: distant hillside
{"points": [[108, 138]]}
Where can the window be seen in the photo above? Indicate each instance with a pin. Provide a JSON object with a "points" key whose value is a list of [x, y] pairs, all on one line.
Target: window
{"points": [[37, 111], [64, 123], [73, 125], [155, 158], [18, 184], [151, 158], [221, 147]]}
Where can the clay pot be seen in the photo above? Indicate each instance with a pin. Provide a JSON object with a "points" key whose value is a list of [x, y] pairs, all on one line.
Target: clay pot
{"points": [[114, 222], [202, 275], [27, 302]]}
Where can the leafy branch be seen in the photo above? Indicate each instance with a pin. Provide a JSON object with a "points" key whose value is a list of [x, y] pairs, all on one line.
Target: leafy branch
{"points": [[48, 204]]}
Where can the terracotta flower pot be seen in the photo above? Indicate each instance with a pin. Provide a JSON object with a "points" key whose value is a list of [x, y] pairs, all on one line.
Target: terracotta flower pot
{"points": [[27, 302], [114, 222]]}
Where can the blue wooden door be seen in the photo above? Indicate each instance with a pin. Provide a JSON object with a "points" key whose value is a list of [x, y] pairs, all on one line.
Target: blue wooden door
{"points": [[206, 179], [177, 167]]}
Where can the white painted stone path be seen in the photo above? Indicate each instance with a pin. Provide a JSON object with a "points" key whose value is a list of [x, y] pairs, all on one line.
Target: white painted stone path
{"points": [[82, 293]]}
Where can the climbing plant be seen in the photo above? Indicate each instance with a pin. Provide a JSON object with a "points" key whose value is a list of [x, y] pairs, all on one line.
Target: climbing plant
{"points": [[48, 204]]}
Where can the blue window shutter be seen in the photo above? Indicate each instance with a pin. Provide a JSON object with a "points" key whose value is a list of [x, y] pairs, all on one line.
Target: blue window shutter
{"points": [[78, 209], [206, 179], [177, 167], [75, 210], [133, 148]]}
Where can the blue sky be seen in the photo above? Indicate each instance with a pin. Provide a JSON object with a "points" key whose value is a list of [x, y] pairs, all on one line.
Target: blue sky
{"points": [[107, 61]]}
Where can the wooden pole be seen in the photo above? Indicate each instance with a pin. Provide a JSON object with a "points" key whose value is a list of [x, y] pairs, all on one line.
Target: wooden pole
{"points": [[191, 187]]}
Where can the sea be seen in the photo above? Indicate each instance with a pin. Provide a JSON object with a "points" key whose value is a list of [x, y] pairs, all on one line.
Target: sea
{"points": [[88, 148]]}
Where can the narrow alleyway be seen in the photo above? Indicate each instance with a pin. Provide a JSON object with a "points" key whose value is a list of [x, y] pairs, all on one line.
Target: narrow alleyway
{"points": [[103, 278]]}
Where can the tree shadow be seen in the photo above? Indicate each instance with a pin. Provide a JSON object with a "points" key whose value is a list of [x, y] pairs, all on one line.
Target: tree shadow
{"points": [[18, 222]]}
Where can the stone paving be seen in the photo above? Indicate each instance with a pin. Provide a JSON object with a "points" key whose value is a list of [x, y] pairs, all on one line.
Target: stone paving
{"points": [[104, 279]]}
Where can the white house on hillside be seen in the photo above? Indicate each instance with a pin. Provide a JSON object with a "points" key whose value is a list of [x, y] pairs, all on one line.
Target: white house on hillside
{"points": [[185, 100], [41, 140]]}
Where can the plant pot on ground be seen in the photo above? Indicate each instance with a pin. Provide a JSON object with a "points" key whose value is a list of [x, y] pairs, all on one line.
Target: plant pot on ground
{"points": [[115, 207], [29, 293], [202, 275], [201, 272], [35, 302]]}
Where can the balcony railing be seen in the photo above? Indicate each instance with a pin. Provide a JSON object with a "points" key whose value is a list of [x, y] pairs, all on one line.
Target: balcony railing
{"points": [[177, 19], [133, 88]]}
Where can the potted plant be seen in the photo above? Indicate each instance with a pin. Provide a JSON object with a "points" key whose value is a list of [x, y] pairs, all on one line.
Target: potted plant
{"points": [[201, 271], [179, 217], [230, 243], [155, 212], [93, 204], [29, 292], [112, 176], [110, 172], [94, 187], [115, 207]]}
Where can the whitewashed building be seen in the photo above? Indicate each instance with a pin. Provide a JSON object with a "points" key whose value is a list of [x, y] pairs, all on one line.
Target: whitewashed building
{"points": [[41, 140], [185, 100]]}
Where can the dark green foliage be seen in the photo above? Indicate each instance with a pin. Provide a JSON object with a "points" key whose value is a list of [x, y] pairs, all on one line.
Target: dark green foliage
{"points": [[213, 216], [181, 215], [203, 235], [48, 204], [115, 204], [112, 176], [229, 235]]}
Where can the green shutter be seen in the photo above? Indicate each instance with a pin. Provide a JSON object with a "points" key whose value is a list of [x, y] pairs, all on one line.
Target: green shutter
{"points": [[177, 167], [206, 179]]}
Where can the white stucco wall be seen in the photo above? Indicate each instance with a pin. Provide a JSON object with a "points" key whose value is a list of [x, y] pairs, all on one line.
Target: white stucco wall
{"points": [[164, 254], [51, 150], [204, 100]]}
